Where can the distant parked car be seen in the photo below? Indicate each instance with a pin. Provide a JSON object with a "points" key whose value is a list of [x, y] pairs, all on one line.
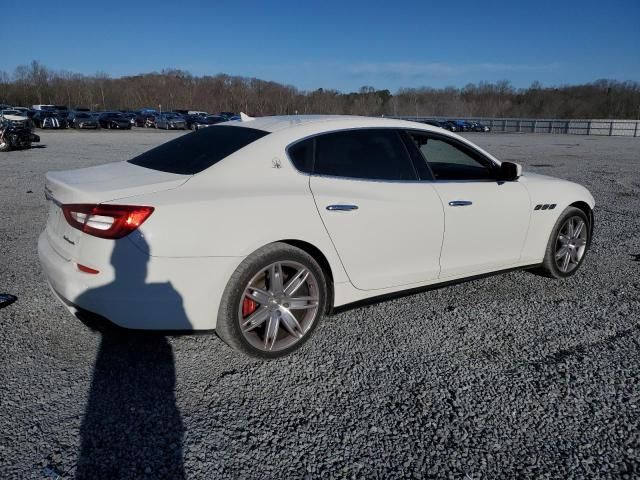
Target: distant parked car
{"points": [[23, 110], [114, 120], [171, 121], [131, 116], [228, 115], [207, 121], [81, 120], [48, 119], [13, 111], [43, 107], [191, 120], [449, 125], [145, 119], [479, 127], [435, 123], [464, 126]]}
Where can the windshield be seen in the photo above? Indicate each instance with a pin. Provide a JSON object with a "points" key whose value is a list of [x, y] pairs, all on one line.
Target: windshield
{"points": [[197, 151]]}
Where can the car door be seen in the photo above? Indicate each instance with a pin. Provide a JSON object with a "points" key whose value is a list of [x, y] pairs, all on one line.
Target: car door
{"points": [[486, 220], [386, 225]]}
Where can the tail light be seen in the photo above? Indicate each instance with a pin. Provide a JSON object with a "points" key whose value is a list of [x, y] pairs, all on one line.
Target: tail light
{"points": [[106, 221]]}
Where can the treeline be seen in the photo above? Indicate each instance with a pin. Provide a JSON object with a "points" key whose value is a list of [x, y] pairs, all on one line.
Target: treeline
{"points": [[176, 89]]}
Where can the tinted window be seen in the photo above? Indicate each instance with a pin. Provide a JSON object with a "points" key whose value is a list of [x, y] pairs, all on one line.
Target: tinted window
{"points": [[301, 155], [375, 154], [449, 161], [197, 151]]}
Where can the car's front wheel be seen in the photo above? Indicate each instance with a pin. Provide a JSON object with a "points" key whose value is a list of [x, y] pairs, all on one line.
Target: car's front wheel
{"points": [[273, 302], [567, 245]]}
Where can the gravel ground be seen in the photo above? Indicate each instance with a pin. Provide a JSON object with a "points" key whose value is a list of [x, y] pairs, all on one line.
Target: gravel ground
{"points": [[506, 377]]}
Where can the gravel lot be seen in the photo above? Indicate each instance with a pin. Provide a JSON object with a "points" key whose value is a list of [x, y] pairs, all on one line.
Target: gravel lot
{"points": [[507, 377]]}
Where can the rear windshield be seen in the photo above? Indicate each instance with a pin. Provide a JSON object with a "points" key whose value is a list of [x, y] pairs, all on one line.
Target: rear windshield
{"points": [[199, 150]]}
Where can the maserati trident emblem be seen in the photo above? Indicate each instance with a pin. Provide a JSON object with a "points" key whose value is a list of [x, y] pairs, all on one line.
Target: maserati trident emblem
{"points": [[275, 163]]}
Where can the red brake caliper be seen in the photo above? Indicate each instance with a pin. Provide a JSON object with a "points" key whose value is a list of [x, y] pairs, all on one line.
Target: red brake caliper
{"points": [[248, 307]]}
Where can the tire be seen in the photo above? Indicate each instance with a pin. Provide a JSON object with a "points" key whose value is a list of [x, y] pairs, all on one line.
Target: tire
{"points": [[256, 268], [576, 245]]}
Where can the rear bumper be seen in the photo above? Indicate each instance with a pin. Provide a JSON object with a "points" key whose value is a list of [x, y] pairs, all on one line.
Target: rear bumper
{"points": [[136, 291]]}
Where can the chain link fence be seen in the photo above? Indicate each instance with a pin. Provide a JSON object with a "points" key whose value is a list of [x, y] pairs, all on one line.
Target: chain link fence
{"points": [[624, 128]]}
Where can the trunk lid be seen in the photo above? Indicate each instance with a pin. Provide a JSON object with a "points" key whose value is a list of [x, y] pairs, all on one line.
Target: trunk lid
{"points": [[100, 184]]}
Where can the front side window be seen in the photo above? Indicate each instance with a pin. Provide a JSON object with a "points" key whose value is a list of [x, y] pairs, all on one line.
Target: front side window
{"points": [[369, 154], [450, 161]]}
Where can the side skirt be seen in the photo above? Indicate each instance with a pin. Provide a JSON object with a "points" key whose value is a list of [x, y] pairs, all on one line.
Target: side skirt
{"points": [[435, 286]]}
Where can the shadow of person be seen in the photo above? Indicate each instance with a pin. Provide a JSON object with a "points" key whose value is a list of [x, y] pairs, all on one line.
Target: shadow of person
{"points": [[132, 427]]}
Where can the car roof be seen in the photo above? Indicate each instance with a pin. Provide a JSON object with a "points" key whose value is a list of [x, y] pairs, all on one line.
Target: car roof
{"points": [[325, 122]]}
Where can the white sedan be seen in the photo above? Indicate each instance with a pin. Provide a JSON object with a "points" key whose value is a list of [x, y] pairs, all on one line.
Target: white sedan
{"points": [[257, 228]]}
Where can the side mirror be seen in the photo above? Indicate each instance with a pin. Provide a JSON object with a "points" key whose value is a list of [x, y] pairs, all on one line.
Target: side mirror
{"points": [[509, 171]]}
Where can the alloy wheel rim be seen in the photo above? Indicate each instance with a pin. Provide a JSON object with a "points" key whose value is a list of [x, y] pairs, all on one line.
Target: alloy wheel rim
{"points": [[571, 244], [279, 306]]}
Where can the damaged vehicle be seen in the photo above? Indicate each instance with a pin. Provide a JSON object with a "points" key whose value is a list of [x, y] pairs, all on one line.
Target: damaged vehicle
{"points": [[15, 133]]}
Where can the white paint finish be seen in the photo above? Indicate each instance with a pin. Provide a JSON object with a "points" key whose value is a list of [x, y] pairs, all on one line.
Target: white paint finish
{"points": [[394, 236], [204, 225], [108, 182], [548, 190], [489, 233], [135, 290]]}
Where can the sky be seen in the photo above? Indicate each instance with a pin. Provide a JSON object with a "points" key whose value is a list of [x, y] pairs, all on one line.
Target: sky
{"points": [[332, 44]]}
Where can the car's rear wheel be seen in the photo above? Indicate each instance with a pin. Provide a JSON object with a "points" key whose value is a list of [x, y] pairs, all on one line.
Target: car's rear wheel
{"points": [[273, 302], [567, 245]]}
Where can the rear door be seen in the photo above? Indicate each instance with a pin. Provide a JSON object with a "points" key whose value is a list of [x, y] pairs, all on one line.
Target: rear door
{"points": [[386, 225], [486, 220]]}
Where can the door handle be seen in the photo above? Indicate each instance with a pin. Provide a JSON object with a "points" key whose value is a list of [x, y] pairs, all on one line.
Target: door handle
{"points": [[460, 203], [341, 208]]}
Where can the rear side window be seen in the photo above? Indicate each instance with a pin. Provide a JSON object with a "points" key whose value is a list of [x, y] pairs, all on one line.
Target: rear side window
{"points": [[197, 151], [374, 154], [301, 154]]}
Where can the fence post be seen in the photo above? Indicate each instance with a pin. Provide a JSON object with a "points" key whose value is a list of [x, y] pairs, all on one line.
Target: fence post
{"points": [[589, 127], [504, 125], [566, 126], [519, 126], [550, 126], [635, 132], [535, 123], [610, 129]]}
